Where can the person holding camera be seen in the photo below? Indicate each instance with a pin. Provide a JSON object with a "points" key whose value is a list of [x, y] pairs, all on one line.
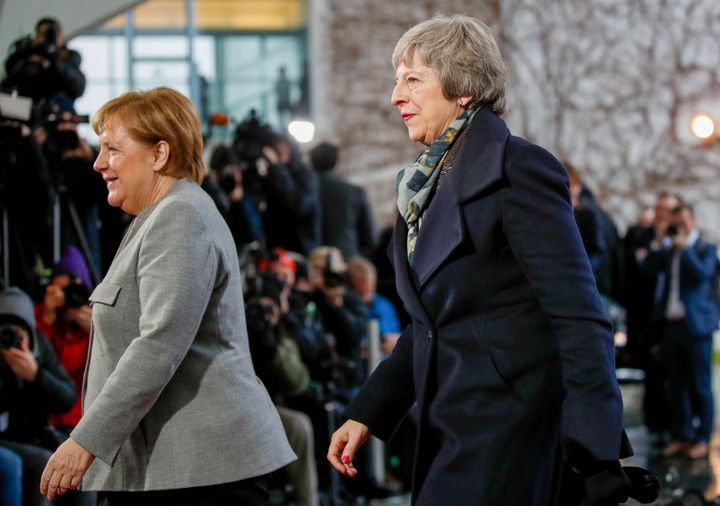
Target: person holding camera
{"points": [[277, 360], [33, 385], [42, 66], [64, 317], [342, 311], [687, 312], [280, 186]]}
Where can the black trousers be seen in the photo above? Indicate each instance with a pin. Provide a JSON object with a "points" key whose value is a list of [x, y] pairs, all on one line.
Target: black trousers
{"points": [[250, 492]]}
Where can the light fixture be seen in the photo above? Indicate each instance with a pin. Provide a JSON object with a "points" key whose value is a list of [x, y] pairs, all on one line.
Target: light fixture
{"points": [[703, 126], [302, 130]]}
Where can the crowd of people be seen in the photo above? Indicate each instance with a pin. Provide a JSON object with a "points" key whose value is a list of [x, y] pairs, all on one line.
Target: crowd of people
{"points": [[294, 223], [315, 272]]}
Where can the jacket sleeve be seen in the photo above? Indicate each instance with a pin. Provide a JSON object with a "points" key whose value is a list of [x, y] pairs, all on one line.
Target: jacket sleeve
{"points": [[68, 73], [700, 266], [539, 225], [176, 272], [389, 392]]}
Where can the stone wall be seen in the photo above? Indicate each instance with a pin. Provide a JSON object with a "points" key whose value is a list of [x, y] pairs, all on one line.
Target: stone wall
{"points": [[609, 85]]}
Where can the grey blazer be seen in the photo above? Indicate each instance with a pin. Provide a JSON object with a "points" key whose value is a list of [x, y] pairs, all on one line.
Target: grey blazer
{"points": [[170, 398]]}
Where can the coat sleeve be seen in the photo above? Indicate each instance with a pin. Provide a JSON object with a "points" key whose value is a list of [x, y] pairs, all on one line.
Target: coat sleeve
{"points": [[539, 224], [389, 392], [176, 272], [700, 265]]}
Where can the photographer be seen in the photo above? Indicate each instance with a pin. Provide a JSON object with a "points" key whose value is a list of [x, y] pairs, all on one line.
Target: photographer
{"points": [[42, 66], [685, 264], [342, 311], [285, 190], [224, 184], [70, 159], [33, 385], [278, 364], [64, 317], [25, 192]]}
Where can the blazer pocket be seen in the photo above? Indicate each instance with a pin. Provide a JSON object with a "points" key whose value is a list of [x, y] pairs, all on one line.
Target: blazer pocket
{"points": [[105, 293]]}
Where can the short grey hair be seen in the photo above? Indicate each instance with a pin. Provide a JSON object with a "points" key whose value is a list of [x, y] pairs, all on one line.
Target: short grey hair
{"points": [[463, 53]]}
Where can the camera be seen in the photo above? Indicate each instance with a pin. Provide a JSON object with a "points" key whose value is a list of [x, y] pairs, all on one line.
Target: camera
{"points": [[333, 278], [251, 137], [59, 140], [672, 231], [76, 295], [10, 336], [261, 334]]}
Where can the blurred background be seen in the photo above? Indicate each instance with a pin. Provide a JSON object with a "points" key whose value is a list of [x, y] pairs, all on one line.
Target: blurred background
{"points": [[626, 94]]}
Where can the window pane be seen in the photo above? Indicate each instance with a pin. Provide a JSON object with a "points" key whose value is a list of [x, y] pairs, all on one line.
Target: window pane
{"points": [[160, 46]]}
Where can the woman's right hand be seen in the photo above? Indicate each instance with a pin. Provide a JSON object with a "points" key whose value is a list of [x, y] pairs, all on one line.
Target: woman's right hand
{"points": [[345, 442], [54, 297]]}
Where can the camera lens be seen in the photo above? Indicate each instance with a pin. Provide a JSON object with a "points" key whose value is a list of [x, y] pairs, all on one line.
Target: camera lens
{"points": [[10, 337]]}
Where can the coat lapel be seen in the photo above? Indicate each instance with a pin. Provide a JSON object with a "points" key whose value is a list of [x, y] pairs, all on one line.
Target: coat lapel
{"points": [[397, 251], [478, 170]]}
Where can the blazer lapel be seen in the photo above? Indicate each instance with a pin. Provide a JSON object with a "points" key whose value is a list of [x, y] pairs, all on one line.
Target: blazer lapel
{"points": [[478, 170]]}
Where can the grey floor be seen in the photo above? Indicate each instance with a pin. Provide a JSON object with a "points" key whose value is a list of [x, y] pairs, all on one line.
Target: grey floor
{"points": [[678, 476]]}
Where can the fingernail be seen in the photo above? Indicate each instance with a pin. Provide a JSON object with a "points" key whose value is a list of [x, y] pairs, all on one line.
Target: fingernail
{"points": [[346, 459]]}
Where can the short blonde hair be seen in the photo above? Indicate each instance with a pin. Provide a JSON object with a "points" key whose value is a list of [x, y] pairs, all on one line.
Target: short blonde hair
{"points": [[320, 256], [361, 268], [463, 52], [160, 114]]}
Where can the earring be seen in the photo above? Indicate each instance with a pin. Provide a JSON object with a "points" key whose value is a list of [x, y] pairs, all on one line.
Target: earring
{"points": [[460, 103]]}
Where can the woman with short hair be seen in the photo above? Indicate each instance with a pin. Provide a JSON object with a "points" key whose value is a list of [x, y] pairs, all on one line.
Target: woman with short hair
{"points": [[509, 354], [173, 412]]}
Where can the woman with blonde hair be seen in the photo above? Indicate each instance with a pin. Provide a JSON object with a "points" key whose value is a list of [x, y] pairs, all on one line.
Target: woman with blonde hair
{"points": [[173, 412]]}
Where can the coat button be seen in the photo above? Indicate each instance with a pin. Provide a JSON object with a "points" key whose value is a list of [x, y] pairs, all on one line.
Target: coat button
{"points": [[429, 336]]}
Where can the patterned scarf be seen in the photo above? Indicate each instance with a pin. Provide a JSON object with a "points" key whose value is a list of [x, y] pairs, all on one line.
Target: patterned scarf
{"points": [[415, 184]]}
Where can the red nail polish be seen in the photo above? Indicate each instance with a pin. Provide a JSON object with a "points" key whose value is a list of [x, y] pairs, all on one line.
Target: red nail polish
{"points": [[346, 459]]}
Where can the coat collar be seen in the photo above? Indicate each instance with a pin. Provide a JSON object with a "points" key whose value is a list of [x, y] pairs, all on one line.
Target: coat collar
{"points": [[478, 169], [479, 164]]}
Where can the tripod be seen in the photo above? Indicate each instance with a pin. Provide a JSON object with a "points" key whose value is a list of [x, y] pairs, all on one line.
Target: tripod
{"points": [[61, 196]]}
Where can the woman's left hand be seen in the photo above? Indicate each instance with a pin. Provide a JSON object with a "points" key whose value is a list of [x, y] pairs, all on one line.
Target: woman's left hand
{"points": [[65, 469]]}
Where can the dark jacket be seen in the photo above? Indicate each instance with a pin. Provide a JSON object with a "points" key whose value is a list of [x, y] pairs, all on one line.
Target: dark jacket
{"points": [[30, 404], [346, 217], [292, 218], [698, 269], [32, 80], [509, 354]]}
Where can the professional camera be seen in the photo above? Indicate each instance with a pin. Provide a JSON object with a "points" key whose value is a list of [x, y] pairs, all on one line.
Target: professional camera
{"points": [[10, 337], [261, 333], [41, 66], [251, 137], [76, 294], [60, 140], [14, 112], [332, 277]]}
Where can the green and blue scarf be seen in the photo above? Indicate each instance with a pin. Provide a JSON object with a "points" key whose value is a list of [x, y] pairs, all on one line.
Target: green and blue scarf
{"points": [[415, 184]]}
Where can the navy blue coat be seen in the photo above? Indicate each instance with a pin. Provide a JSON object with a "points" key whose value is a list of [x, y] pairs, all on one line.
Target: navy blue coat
{"points": [[509, 354]]}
